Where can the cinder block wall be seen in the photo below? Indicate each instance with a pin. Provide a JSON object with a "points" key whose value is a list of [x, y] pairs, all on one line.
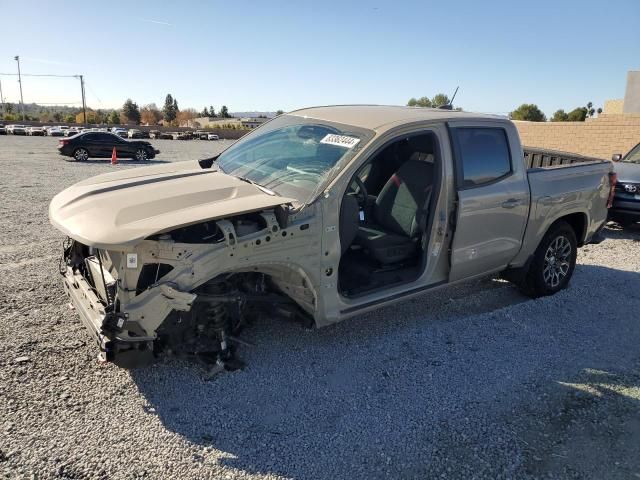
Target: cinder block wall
{"points": [[599, 137]]}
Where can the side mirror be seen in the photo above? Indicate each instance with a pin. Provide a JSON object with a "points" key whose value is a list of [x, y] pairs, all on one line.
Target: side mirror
{"points": [[617, 157]]}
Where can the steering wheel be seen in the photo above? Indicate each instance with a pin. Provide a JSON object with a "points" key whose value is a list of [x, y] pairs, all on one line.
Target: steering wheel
{"points": [[361, 194]]}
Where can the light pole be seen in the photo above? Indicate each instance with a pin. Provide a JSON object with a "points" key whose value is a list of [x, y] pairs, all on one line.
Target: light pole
{"points": [[84, 104], [1, 99], [17, 59]]}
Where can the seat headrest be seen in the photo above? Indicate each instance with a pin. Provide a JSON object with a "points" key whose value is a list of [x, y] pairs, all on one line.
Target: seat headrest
{"points": [[422, 157]]}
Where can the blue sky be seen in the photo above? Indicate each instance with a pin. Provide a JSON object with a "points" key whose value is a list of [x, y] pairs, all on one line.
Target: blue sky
{"points": [[273, 55]]}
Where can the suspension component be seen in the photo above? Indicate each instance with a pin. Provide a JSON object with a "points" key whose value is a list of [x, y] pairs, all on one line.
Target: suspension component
{"points": [[218, 318]]}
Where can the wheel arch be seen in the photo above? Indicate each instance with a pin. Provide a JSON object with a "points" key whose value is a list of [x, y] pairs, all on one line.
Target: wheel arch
{"points": [[578, 221]]}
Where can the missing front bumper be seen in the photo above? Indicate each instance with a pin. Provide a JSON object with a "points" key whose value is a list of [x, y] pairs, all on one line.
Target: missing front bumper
{"points": [[124, 351]]}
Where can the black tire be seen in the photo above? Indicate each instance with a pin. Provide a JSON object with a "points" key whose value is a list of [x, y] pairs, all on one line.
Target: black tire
{"points": [[553, 262], [81, 155], [141, 155]]}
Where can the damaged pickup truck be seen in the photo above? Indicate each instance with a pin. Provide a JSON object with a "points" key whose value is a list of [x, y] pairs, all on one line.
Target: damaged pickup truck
{"points": [[322, 214]]}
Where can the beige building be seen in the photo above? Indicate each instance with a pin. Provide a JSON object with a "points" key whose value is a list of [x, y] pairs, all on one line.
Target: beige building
{"points": [[253, 122], [630, 104], [214, 122]]}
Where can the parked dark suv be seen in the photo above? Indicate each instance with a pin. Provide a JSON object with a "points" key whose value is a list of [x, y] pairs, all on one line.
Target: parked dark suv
{"points": [[626, 202], [100, 145]]}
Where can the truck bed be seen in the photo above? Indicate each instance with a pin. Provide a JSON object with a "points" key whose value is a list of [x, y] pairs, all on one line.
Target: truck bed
{"points": [[567, 185], [544, 158]]}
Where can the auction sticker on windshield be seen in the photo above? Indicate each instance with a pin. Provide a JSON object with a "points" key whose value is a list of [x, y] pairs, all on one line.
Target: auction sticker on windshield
{"points": [[340, 140]]}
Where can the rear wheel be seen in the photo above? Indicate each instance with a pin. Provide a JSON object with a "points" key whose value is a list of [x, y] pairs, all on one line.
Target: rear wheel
{"points": [[81, 155], [141, 155], [553, 263]]}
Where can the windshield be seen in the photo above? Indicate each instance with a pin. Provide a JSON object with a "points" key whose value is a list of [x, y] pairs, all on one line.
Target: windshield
{"points": [[293, 156], [633, 156]]}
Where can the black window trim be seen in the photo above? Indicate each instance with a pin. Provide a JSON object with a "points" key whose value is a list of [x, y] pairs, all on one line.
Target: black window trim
{"points": [[459, 170]]}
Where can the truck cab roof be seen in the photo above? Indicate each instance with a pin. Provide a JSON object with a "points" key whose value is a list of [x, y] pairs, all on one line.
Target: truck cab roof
{"points": [[383, 117]]}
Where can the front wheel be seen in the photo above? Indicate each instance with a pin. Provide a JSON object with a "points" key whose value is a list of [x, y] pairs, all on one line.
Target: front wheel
{"points": [[553, 263], [81, 155], [141, 155]]}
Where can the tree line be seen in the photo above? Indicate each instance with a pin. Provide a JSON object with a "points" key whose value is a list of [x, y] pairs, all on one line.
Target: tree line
{"points": [[530, 112], [130, 113], [527, 111], [170, 113]]}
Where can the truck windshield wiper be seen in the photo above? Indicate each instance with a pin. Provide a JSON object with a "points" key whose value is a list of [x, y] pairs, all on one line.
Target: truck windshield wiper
{"points": [[264, 189]]}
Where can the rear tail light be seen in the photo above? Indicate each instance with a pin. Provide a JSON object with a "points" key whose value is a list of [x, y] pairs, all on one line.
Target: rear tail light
{"points": [[62, 143], [613, 179]]}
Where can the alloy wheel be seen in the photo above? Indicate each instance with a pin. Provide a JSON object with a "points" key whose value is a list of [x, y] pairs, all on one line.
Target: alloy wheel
{"points": [[81, 155], [557, 261], [141, 155]]}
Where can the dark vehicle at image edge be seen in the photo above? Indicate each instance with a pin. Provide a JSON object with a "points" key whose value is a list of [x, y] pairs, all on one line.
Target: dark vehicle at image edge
{"points": [[100, 145], [626, 201]]}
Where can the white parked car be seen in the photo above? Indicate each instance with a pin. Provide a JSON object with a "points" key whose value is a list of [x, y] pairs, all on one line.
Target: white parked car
{"points": [[213, 136], [55, 132], [36, 131], [17, 129]]}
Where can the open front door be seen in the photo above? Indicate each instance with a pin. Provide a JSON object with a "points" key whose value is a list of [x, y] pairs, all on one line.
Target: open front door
{"points": [[493, 201]]}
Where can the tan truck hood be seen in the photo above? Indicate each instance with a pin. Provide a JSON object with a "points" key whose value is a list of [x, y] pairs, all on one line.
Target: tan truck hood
{"points": [[122, 208]]}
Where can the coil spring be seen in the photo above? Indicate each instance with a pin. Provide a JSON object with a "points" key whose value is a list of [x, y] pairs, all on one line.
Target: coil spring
{"points": [[217, 315]]}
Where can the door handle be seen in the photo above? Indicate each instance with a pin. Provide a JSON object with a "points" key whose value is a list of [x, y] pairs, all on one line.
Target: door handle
{"points": [[511, 203]]}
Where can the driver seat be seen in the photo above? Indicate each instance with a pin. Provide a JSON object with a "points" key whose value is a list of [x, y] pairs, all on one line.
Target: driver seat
{"points": [[399, 213]]}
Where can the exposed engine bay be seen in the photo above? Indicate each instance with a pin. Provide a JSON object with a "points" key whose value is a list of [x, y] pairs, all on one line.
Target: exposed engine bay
{"points": [[158, 299]]}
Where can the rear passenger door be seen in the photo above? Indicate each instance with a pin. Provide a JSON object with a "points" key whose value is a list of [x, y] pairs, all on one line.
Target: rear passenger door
{"points": [[91, 143], [109, 140], [493, 198]]}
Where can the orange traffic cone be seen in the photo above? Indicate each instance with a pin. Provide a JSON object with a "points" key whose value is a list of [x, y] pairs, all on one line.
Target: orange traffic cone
{"points": [[114, 157]]}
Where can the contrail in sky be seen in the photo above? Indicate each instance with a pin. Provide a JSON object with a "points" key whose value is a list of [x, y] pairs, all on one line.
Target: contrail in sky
{"points": [[157, 22]]}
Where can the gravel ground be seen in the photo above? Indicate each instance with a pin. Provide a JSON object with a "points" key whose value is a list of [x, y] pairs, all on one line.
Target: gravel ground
{"points": [[473, 381]]}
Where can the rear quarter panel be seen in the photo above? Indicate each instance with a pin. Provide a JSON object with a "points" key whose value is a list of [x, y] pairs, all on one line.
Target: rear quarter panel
{"points": [[560, 191]]}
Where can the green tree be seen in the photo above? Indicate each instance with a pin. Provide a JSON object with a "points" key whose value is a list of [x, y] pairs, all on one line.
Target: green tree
{"points": [[420, 102], [70, 118], [169, 110], [436, 101], [529, 112], [279, 112], [224, 112], [131, 112], [212, 112], [57, 116], [578, 114], [560, 116], [8, 107], [439, 100], [205, 112], [114, 118]]}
